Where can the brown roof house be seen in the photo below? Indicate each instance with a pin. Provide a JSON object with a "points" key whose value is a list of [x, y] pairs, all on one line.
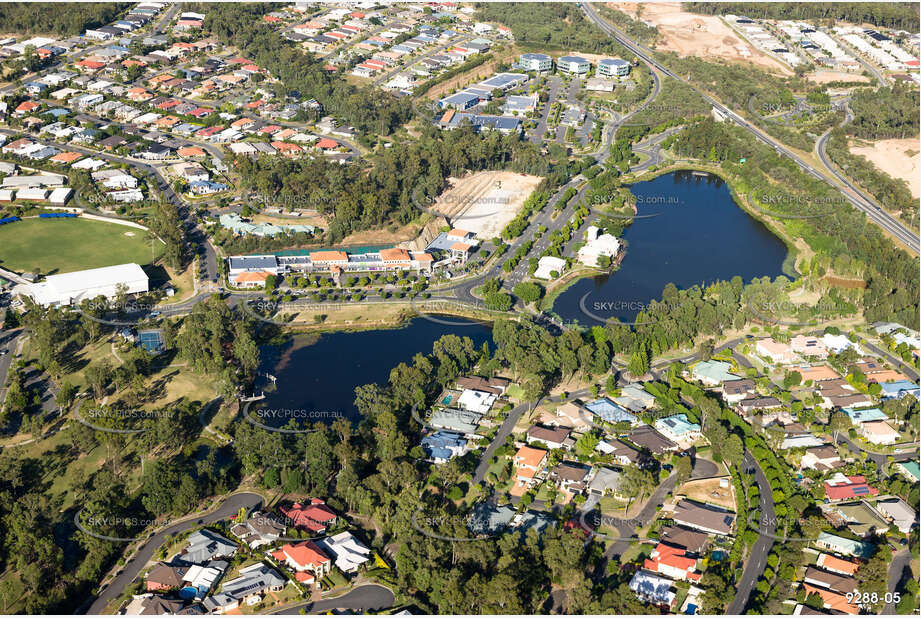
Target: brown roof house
{"points": [[553, 438], [704, 517]]}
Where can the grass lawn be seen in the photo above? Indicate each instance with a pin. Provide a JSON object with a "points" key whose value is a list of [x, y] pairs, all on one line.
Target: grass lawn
{"points": [[65, 245]]}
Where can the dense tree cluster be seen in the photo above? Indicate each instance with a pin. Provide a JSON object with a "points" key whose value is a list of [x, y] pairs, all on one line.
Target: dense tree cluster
{"points": [[48, 18], [888, 112], [551, 26], [901, 15], [403, 181]]}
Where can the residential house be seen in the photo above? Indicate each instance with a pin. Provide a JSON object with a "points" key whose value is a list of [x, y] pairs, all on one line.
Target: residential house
{"points": [[759, 404], [672, 562], [678, 428], [652, 588], [346, 550], [878, 432], [821, 458], [817, 373], [314, 516], [692, 541], [836, 565], [528, 462], [552, 438], [841, 545], [204, 545], [910, 470], [650, 439], [606, 481], [859, 517], [623, 453], [842, 584], [569, 414], [897, 512], [255, 581], [779, 353], [704, 517], [258, 530], [735, 391], [899, 389], [807, 345], [304, 557], [570, 476], [163, 576], [713, 373], [610, 412], [831, 600], [840, 487], [635, 398]]}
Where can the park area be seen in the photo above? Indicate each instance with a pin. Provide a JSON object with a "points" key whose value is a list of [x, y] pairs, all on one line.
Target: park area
{"points": [[52, 246]]}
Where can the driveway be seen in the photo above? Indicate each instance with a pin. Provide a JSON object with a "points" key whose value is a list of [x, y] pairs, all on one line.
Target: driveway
{"points": [[134, 566], [364, 599]]}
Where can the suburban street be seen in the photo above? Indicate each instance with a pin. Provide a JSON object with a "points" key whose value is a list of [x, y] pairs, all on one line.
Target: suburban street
{"points": [[767, 527], [134, 566], [364, 599], [897, 571]]}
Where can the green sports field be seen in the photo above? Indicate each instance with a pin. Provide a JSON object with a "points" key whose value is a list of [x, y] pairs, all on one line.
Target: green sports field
{"points": [[51, 246]]}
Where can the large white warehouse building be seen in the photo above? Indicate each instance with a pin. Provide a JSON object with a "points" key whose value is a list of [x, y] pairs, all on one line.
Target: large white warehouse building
{"points": [[75, 287]]}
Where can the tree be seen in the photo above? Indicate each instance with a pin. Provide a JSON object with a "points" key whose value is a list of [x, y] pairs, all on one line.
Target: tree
{"points": [[528, 292], [639, 362]]}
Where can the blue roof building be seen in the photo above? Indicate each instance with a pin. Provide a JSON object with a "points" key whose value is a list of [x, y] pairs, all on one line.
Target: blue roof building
{"points": [[866, 415], [610, 412], [443, 445], [459, 101], [897, 390], [678, 428]]}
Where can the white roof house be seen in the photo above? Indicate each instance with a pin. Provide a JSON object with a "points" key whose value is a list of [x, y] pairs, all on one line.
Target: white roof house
{"points": [[898, 511], [476, 401], [605, 244], [547, 265], [348, 553], [68, 288]]}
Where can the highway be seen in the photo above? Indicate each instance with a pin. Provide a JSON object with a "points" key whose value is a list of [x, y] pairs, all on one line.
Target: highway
{"points": [[857, 198]]}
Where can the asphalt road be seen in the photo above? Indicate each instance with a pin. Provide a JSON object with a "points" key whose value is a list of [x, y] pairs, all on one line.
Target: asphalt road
{"points": [[757, 559], [554, 82], [363, 599], [504, 431], [134, 566], [897, 567], [858, 199], [8, 350]]}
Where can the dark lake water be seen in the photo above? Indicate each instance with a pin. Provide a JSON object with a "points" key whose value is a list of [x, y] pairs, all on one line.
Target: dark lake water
{"points": [[697, 235], [322, 376]]}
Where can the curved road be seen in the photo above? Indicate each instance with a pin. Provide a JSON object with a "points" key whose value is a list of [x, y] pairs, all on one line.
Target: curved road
{"points": [[757, 559], [858, 199], [363, 599], [134, 566]]}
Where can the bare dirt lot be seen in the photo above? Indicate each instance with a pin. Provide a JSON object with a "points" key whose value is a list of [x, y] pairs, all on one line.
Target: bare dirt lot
{"points": [[824, 77], [710, 492], [483, 203], [897, 157], [689, 34]]}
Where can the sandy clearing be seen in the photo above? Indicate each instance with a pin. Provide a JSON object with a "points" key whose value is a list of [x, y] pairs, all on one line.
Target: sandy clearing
{"points": [[709, 491], [484, 203], [897, 157], [824, 77], [689, 34]]}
